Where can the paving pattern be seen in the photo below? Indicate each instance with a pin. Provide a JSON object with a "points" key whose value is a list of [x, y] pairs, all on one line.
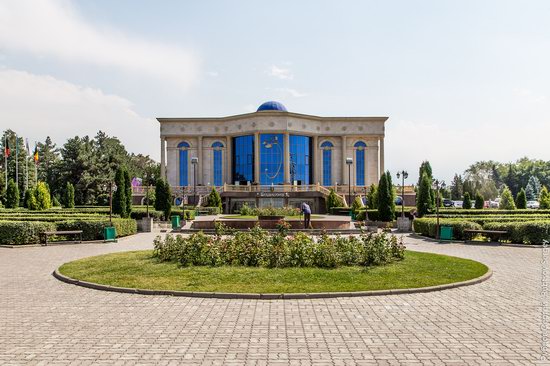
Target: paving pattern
{"points": [[45, 321]]}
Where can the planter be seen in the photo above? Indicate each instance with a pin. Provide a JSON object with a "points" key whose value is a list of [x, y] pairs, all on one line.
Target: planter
{"points": [[403, 224]]}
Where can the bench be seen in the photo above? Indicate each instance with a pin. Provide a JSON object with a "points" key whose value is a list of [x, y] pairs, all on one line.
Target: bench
{"points": [[44, 236], [493, 235]]}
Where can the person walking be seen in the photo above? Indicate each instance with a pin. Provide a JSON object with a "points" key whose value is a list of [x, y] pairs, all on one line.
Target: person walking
{"points": [[306, 210]]}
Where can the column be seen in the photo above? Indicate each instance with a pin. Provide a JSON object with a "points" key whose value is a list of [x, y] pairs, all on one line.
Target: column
{"points": [[382, 155], [200, 177], [344, 156], [162, 157], [315, 160], [257, 157], [229, 158], [286, 160]]}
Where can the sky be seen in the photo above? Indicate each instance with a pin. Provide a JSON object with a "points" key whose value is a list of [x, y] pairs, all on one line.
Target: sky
{"points": [[461, 81]]}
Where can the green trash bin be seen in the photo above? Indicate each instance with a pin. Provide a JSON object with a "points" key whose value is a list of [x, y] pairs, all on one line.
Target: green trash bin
{"points": [[446, 233], [109, 233], [175, 222]]}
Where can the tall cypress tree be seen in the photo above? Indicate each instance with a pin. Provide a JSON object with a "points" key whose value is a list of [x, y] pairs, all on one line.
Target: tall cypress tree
{"points": [[128, 192], [423, 198], [386, 198], [119, 197], [12, 195], [521, 200], [466, 201]]}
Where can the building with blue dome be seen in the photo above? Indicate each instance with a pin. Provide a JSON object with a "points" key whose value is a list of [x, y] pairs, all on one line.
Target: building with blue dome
{"points": [[271, 157]]}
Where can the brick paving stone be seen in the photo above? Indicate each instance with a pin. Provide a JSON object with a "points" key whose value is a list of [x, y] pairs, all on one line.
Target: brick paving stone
{"points": [[46, 322]]}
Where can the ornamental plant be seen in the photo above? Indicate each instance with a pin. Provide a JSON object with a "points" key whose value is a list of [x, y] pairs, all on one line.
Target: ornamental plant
{"points": [[68, 200], [466, 201], [127, 193], [372, 197], [386, 198], [506, 200], [214, 199], [119, 196], [479, 202], [163, 198], [521, 200], [12, 195], [423, 199], [544, 199], [334, 200], [357, 205], [43, 197]]}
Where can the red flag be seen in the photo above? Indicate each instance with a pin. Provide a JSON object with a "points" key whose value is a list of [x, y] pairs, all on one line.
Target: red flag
{"points": [[6, 148]]}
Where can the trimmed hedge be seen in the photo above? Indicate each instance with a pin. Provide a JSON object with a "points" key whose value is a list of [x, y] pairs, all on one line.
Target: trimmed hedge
{"points": [[534, 232], [93, 230], [341, 211], [427, 227], [23, 232], [451, 211], [374, 216]]}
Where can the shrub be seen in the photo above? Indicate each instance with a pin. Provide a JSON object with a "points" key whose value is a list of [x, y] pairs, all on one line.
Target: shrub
{"points": [[43, 197], [386, 198], [257, 247], [12, 195], [423, 199], [427, 226], [119, 196], [23, 232], [55, 202], [93, 229], [269, 211], [530, 232], [544, 199], [479, 202], [333, 200], [466, 201], [189, 214], [127, 194], [372, 197], [68, 200], [506, 200], [357, 205], [163, 198], [521, 200], [214, 199]]}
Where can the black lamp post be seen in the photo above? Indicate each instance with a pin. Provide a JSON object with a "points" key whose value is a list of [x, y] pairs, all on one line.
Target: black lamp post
{"points": [[437, 184], [111, 188], [194, 161], [349, 161], [403, 175]]}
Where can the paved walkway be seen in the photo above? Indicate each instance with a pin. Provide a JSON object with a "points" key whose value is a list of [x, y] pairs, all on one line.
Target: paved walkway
{"points": [[45, 321]]}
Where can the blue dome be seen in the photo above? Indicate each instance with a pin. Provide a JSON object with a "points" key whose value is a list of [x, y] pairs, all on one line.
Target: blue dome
{"points": [[272, 106]]}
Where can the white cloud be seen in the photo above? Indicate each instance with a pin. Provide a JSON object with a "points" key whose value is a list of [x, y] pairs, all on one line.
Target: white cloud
{"points": [[36, 106], [53, 28], [280, 73], [292, 92], [212, 73]]}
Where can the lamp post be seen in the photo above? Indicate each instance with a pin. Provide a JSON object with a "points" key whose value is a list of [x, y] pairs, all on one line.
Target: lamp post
{"points": [[349, 161], [111, 188], [403, 175], [437, 184], [194, 161]]}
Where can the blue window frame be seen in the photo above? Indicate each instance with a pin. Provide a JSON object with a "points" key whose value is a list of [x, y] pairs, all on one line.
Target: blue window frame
{"points": [[300, 159], [360, 163], [327, 162], [243, 158], [271, 159], [218, 163], [184, 163]]}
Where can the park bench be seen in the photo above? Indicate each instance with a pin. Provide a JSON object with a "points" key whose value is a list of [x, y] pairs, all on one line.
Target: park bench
{"points": [[493, 235], [76, 233]]}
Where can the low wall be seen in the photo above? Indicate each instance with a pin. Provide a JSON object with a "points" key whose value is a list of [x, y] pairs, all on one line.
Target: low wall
{"points": [[337, 224]]}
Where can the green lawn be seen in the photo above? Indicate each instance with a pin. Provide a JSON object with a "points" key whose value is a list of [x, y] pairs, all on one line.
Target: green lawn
{"points": [[140, 270], [249, 217]]}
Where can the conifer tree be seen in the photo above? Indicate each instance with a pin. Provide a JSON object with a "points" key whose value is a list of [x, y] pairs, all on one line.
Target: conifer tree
{"points": [[521, 200], [467, 201], [479, 202], [12, 195], [119, 196], [544, 198], [386, 198], [69, 195], [506, 199], [423, 198], [127, 193]]}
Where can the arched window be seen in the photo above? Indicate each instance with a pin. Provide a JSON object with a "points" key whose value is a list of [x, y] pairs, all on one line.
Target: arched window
{"points": [[327, 162], [183, 147], [218, 163], [360, 163]]}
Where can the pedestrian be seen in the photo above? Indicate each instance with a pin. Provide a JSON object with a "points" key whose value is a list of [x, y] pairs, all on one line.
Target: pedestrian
{"points": [[306, 210]]}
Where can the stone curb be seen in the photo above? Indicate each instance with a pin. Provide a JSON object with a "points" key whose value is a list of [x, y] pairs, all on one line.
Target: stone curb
{"points": [[282, 296], [471, 243]]}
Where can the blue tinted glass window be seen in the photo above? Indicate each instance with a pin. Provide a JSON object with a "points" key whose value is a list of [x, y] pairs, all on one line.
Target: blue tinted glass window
{"points": [[243, 158], [300, 159], [271, 159], [327, 162], [218, 163], [184, 163], [360, 163]]}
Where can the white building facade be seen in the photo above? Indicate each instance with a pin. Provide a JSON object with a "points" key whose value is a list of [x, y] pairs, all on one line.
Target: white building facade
{"points": [[271, 151]]}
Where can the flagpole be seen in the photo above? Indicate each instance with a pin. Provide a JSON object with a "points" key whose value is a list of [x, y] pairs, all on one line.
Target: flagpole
{"points": [[27, 165], [6, 159], [16, 163]]}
